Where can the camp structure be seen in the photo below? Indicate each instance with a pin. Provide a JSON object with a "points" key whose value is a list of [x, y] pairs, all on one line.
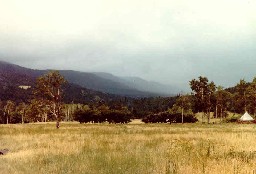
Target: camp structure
{"points": [[246, 118]]}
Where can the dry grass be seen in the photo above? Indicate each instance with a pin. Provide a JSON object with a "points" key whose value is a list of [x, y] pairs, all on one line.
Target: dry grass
{"points": [[132, 148]]}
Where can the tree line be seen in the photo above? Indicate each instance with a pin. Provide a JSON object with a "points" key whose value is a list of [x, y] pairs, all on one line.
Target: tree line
{"points": [[46, 104], [207, 97]]}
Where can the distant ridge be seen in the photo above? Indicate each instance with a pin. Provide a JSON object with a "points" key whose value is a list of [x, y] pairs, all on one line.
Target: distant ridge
{"points": [[141, 84], [103, 82]]}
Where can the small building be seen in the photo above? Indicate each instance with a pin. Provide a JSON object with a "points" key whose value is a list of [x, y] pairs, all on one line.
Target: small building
{"points": [[24, 87]]}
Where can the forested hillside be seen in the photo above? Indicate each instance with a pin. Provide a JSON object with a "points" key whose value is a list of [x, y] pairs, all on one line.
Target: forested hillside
{"points": [[18, 86], [16, 75]]}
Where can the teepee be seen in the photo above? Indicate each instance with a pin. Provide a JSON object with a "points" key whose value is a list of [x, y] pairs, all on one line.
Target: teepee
{"points": [[246, 117]]}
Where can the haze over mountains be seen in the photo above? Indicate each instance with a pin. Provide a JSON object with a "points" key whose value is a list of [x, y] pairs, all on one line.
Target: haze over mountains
{"points": [[97, 81]]}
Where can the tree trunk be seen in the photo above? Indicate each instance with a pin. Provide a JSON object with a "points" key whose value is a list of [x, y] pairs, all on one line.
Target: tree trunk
{"points": [[22, 116], [67, 114], [208, 116], [55, 113], [45, 117], [57, 124], [221, 114], [216, 112], [182, 115], [7, 117]]}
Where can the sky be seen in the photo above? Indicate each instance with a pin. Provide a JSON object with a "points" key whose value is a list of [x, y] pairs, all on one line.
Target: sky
{"points": [[168, 41]]}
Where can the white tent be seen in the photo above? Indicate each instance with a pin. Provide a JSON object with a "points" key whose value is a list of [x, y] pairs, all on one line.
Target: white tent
{"points": [[246, 117]]}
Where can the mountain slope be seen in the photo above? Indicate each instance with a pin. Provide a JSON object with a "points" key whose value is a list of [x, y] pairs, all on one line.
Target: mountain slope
{"points": [[14, 75], [92, 81], [150, 86], [141, 84]]}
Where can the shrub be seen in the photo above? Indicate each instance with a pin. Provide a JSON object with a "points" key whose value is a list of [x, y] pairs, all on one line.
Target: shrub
{"points": [[15, 118], [165, 117], [84, 116], [100, 116]]}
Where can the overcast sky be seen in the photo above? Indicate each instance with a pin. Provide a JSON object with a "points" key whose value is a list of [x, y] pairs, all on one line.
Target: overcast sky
{"points": [[169, 41]]}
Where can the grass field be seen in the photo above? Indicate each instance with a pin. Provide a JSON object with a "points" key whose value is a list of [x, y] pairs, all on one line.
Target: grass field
{"points": [[133, 148]]}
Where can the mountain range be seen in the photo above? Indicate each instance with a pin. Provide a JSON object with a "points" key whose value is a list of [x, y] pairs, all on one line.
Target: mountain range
{"points": [[106, 83]]}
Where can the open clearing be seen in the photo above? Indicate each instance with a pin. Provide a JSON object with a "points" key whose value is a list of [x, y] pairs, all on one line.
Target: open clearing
{"points": [[130, 148]]}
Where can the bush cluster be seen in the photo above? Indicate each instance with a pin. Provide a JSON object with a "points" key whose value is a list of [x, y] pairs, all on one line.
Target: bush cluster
{"points": [[14, 117], [100, 116], [166, 117]]}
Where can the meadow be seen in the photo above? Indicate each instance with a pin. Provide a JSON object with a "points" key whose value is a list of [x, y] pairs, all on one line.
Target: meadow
{"points": [[128, 149]]}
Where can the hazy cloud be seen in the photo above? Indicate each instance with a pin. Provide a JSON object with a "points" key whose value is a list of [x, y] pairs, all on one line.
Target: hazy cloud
{"points": [[170, 41]]}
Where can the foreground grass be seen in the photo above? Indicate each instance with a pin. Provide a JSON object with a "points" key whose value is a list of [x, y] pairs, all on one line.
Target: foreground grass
{"points": [[153, 148]]}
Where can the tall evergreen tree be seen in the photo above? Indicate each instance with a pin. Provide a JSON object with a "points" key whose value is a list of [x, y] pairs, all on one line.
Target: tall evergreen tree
{"points": [[251, 97], [203, 92], [240, 96], [223, 99], [182, 105]]}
